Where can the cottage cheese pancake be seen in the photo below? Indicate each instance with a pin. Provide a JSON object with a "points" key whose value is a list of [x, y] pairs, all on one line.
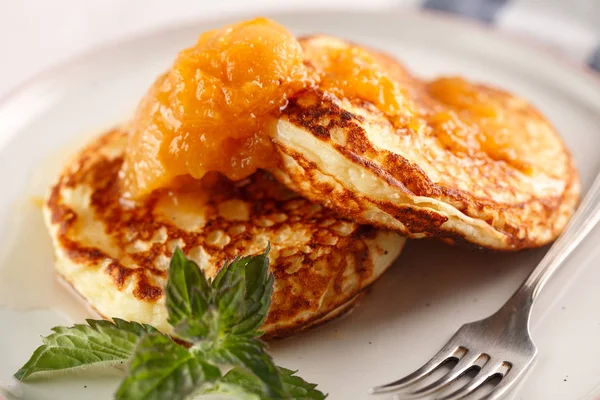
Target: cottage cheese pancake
{"points": [[116, 252], [445, 158]]}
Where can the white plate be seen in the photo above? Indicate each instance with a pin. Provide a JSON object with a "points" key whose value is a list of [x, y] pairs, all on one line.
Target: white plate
{"points": [[412, 310]]}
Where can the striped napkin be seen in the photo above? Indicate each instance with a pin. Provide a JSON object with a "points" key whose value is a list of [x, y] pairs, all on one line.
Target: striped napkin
{"points": [[571, 26]]}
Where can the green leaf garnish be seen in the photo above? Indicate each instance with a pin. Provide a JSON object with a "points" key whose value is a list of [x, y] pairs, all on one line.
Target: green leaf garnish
{"points": [[239, 383], [221, 320], [250, 280], [98, 343], [297, 388], [251, 354], [163, 369], [188, 298], [242, 384]]}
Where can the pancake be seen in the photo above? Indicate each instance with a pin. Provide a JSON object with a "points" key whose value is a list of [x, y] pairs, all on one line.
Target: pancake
{"points": [[467, 163], [116, 253]]}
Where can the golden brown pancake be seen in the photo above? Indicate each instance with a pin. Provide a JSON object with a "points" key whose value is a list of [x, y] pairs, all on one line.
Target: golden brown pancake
{"points": [[116, 253], [466, 163]]}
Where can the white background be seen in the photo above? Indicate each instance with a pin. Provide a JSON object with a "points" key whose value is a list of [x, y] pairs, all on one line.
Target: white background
{"points": [[35, 34]]}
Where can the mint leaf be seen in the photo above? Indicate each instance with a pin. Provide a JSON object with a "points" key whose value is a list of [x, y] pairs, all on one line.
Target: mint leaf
{"points": [[236, 301], [298, 388], [242, 384], [98, 343], [238, 383], [188, 299], [228, 299], [243, 294], [162, 369], [252, 355]]}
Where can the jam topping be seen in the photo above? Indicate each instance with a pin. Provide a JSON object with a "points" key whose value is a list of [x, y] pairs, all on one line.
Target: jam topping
{"points": [[214, 109], [479, 119], [209, 112], [352, 72]]}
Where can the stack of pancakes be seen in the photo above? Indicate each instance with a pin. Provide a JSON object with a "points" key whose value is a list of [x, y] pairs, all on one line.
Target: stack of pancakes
{"points": [[336, 210]]}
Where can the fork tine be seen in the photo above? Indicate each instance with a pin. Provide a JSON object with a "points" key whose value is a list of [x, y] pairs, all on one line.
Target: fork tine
{"points": [[501, 388], [489, 370], [469, 360], [517, 373], [443, 355]]}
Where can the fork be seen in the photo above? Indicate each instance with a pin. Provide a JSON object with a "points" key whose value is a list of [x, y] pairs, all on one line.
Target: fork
{"points": [[499, 346]]}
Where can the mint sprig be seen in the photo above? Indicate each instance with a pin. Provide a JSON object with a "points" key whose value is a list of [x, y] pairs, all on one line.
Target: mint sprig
{"points": [[163, 369], [251, 354], [220, 320], [189, 298], [244, 385], [100, 343], [245, 311]]}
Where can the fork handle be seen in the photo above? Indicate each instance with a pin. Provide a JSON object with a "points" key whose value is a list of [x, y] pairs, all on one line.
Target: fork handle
{"points": [[582, 222]]}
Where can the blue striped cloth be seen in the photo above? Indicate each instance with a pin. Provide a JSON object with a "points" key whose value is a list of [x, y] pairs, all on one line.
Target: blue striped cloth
{"points": [[576, 33], [594, 60]]}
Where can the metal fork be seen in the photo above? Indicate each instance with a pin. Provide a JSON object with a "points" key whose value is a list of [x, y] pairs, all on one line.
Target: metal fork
{"points": [[500, 346]]}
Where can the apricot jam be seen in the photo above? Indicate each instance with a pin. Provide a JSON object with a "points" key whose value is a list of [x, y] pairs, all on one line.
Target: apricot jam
{"points": [[354, 73], [476, 119], [209, 111]]}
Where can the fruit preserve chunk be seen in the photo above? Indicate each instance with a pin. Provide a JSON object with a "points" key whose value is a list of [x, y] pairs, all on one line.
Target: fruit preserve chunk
{"points": [[210, 110], [488, 120], [353, 72]]}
